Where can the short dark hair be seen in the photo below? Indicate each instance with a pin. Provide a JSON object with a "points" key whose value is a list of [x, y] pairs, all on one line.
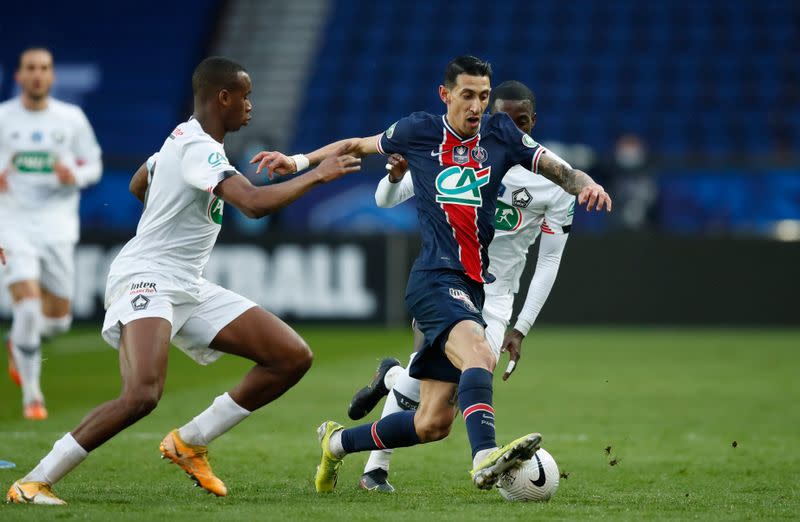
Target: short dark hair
{"points": [[513, 90], [32, 48], [466, 64], [214, 74]]}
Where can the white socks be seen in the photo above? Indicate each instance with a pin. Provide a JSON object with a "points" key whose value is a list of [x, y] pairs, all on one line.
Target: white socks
{"points": [[222, 415], [392, 375], [408, 387], [55, 325], [482, 454], [335, 445], [65, 455], [25, 345]]}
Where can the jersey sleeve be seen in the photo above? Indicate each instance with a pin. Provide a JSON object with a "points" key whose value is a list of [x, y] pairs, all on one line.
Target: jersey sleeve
{"points": [[88, 165], [203, 164], [523, 149], [150, 164], [394, 140], [389, 194], [558, 217]]}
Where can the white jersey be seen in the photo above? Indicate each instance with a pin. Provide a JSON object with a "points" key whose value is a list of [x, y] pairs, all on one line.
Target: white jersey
{"points": [[527, 205], [182, 216], [31, 142]]}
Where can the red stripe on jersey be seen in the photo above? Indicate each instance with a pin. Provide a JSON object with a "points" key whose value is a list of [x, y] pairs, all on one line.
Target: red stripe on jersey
{"points": [[546, 228], [463, 219], [378, 145], [478, 407], [377, 440], [535, 164]]}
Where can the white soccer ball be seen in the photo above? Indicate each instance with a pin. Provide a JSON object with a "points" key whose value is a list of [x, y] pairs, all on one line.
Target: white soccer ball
{"points": [[535, 480]]}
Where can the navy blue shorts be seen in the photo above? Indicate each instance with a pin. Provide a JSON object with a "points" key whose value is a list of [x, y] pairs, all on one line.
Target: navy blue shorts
{"points": [[438, 300]]}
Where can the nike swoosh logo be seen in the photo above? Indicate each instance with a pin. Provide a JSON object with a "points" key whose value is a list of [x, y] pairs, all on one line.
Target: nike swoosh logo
{"points": [[539, 482], [434, 153]]}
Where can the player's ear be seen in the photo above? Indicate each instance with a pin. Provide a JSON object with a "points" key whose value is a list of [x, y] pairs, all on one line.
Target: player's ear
{"points": [[224, 97], [444, 94]]}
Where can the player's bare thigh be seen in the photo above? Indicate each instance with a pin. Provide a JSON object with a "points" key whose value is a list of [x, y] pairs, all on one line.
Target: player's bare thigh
{"points": [[467, 347], [438, 407], [262, 337], [282, 357], [28, 289], [54, 306]]}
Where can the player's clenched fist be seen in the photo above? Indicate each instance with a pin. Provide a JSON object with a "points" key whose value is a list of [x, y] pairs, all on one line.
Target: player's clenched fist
{"points": [[594, 195], [397, 167]]}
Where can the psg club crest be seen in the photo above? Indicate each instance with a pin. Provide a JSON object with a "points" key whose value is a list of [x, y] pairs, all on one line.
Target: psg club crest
{"points": [[460, 155], [479, 154]]}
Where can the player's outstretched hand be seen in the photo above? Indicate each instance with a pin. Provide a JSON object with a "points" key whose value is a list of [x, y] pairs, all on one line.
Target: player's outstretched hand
{"points": [[337, 165], [275, 163], [595, 196], [397, 167], [512, 343], [63, 173]]}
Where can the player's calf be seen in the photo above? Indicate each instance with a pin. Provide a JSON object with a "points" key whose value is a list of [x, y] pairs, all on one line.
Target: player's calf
{"points": [[433, 425]]}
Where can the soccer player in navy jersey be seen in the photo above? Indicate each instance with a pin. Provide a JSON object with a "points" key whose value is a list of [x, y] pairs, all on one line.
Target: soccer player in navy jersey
{"points": [[457, 163]]}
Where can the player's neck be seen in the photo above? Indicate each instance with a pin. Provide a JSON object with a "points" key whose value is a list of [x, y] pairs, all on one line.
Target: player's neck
{"points": [[461, 133], [33, 104], [212, 127]]}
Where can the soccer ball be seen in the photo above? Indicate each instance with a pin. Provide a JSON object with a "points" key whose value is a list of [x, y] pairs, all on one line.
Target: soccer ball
{"points": [[535, 480]]}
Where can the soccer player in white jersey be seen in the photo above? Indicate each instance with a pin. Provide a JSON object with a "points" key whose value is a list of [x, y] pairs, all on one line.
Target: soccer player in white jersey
{"points": [[527, 207], [48, 153], [156, 294]]}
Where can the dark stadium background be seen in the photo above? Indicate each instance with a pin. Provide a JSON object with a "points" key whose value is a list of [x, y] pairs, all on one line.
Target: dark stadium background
{"points": [[706, 228]]}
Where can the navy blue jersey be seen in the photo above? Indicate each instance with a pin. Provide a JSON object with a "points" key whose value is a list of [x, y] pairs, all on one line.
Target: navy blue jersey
{"points": [[456, 181]]}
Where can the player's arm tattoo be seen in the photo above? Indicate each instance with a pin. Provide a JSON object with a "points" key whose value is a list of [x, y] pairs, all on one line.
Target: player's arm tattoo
{"points": [[571, 180]]}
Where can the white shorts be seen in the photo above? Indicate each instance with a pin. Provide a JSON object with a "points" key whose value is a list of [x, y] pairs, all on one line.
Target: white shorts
{"points": [[197, 311], [51, 264], [497, 311]]}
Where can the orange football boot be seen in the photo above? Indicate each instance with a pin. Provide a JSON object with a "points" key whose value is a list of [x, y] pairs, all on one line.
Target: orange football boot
{"points": [[13, 373], [33, 493], [35, 411], [194, 461]]}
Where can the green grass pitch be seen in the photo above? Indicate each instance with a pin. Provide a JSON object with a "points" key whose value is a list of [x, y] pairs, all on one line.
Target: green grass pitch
{"points": [[669, 403]]}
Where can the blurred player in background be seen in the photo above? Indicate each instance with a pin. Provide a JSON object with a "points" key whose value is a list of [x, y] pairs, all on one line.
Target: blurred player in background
{"points": [[48, 153], [156, 293], [457, 161], [527, 206]]}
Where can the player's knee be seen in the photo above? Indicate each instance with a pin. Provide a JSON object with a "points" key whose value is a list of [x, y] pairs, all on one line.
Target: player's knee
{"points": [[431, 428], [141, 401], [52, 326], [483, 357], [302, 359]]}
